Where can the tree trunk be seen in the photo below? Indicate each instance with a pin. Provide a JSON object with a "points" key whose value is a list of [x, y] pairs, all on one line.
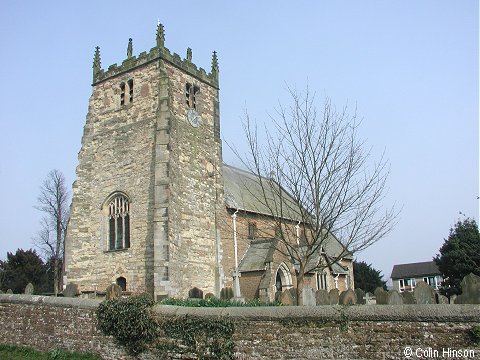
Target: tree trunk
{"points": [[300, 285], [55, 276], [57, 249]]}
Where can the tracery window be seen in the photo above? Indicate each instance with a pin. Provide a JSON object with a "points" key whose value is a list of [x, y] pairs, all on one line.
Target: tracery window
{"points": [[321, 281], [119, 223]]}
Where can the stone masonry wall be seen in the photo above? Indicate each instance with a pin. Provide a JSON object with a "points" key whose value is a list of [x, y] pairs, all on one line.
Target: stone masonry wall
{"points": [[195, 171], [321, 332], [117, 154]]}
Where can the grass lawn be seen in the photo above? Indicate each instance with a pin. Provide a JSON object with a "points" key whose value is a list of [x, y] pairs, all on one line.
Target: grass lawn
{"points": [[9, 352]]}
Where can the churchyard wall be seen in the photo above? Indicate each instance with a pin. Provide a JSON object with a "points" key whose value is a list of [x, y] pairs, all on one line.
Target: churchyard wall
{"points": [[306, 332]]}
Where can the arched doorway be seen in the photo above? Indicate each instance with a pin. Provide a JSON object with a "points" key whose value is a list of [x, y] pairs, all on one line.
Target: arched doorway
{"points": [[122, 282], [283, 278]]}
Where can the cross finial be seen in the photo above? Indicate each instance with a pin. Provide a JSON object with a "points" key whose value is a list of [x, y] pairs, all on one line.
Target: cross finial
{"points": [[96, 63], [215, 65]]}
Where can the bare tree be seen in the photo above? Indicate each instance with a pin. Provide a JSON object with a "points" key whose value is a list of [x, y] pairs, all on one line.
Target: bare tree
{"points": [[53, 201], [316, 178]]}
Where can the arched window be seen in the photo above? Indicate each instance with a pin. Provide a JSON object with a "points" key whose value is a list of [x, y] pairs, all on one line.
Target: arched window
{"points": [[118, 222]]}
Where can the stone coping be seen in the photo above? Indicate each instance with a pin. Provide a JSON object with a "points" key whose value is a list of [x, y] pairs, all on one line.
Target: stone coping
{"points": [[49, 300], [411, 312]]}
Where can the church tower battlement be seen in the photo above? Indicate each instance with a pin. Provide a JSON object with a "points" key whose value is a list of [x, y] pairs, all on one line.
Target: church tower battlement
{"points": [[149, 186]]}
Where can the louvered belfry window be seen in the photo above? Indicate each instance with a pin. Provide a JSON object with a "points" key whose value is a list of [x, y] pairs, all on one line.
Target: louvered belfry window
{"points": [[119, 223]]}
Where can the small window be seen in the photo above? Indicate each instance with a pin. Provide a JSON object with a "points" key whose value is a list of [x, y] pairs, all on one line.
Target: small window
{"points": [[252, 230], [165, 275], [191, 92], [278, 232], [166, 252], [122, 93], [119, 223], [303, 238], [130, 89]]}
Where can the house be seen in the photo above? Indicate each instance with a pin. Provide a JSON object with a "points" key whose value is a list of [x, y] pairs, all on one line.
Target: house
{"points": [[405, 276], [153, 204]]}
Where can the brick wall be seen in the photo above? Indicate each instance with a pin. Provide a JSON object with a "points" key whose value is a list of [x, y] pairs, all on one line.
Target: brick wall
{"points": [[323, 332]]}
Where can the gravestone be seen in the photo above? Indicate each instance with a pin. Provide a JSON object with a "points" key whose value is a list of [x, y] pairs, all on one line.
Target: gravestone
{"points": [[195, 293], [71, 290], [348, 297], [334, 296], [278, 296], [321, 297], [293, 294], [308, 296], [287, 298], [226, 293], [423, 293], [441, 299], [370, 299], [9, 291], [453, 299], [209, 296], [408, 297], [381, 296], [113, 291], [394, 298], [29, 289], [470, 290], [360, 294]]}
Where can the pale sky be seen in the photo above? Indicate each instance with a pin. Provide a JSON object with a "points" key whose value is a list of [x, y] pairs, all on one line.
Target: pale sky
{"points": [[411, 69]]}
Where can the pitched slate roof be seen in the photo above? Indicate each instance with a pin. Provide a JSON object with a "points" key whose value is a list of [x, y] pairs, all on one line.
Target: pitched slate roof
{"points": [[258, 254], [414, 270], [243, 191]]}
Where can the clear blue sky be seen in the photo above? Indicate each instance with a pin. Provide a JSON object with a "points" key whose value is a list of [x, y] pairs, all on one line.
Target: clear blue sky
{"points": [[410, 67]]}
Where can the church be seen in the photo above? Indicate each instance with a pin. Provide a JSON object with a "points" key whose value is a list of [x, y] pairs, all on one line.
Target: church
{"points": [[154, 208]]}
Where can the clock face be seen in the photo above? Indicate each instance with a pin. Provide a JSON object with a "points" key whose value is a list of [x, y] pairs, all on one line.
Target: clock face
{"points": [[193, 117]]}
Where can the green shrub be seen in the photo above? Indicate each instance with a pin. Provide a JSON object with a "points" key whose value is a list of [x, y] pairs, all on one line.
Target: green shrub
{"points": [[475, 334], [198, 338], [129, 321]]}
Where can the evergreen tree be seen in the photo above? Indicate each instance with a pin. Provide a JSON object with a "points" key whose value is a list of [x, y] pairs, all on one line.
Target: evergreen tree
{"points": [[459, 255], [366, 277], [21, 268]]}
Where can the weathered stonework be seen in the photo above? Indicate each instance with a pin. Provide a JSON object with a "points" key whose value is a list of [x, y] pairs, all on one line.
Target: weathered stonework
{"points": [[170, 172], [285, 332]]}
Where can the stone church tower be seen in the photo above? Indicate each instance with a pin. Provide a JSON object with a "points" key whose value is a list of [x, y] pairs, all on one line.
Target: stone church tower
{"points": [[149, 185]]}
